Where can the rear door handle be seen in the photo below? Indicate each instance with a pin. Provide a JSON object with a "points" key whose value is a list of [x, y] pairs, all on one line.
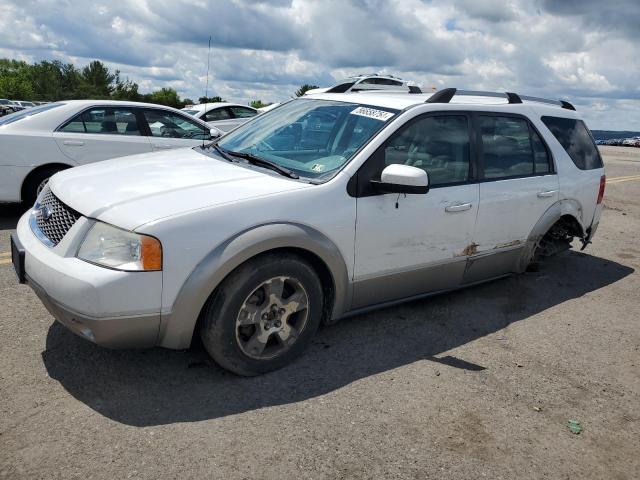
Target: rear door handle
{"points": [[548, 193], [461, 207], [73, 143], [162, 147]]}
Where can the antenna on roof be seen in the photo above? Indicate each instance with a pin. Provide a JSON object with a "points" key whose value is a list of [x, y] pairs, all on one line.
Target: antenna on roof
{"points": [[206, 89]]}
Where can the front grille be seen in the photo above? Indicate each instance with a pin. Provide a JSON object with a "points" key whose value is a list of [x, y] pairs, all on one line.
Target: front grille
{"points": [[60, 217]]}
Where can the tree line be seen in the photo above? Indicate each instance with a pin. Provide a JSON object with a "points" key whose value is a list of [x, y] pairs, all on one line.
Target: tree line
{"points": [[53, 80]]}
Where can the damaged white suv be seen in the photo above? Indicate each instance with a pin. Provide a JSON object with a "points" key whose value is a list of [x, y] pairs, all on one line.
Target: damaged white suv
{"points": [[323, 207]]}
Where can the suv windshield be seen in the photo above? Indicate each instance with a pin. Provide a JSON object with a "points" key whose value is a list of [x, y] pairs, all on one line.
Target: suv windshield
{"points": [[313, 138]]}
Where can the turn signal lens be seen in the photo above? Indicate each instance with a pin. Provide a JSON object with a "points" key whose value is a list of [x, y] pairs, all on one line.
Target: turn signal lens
{"points": [[151, 253]]}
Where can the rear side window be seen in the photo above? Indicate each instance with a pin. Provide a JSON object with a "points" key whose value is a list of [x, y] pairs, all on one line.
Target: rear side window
{"points": [[217, 114], [576, 140], [105, 120], [507, 150], [242, 112]]}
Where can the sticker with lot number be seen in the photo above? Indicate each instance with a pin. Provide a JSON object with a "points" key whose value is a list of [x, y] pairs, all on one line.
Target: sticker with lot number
{"points": [[372, 113]]}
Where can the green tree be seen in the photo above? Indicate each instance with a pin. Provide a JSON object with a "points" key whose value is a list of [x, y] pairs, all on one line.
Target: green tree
{"points": [[304, 88], [215, 99], [187, 101], [14, 80], [98, 79], [258, 104], [164, 96], [125, 90]]}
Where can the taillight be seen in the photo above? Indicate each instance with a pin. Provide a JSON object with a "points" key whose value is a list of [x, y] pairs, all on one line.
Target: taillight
{"points": [[603, 181]]}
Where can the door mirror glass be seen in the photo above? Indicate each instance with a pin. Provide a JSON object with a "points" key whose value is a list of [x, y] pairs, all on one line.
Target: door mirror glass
{"points": [[399, 178]]}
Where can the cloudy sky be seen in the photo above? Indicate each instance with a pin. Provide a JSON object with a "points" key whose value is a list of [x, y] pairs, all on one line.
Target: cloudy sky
{"points": [[583, 50]]}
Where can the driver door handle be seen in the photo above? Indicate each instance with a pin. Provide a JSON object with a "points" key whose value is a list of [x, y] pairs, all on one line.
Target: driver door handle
{"points": [[73, 143], [549, 193], [162, 147], [460, 207]]}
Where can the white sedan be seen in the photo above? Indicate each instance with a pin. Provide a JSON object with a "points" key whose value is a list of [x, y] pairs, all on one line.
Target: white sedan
{"points": [[222, 115], [40, 141]]}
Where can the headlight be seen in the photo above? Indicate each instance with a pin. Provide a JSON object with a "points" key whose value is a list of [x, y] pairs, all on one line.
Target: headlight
{"points": [[113, 247]]}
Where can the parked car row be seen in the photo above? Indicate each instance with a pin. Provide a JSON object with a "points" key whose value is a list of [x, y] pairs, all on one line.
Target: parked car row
{"points": [[621, 142], [8, 107], [38, 142]]}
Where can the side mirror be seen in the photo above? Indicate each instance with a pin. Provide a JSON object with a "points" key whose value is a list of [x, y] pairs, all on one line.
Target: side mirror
{"points": [[215, 133], [399, 178]]}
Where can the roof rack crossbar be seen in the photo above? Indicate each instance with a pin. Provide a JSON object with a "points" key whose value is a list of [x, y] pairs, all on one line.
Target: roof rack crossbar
{"points": [[445, 96]]}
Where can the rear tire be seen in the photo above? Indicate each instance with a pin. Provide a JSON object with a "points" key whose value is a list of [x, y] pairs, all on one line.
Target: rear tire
{"points": [[35, 183], [263, 315]]}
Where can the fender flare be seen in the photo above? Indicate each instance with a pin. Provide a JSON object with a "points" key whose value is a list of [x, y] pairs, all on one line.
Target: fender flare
{"points": [[554, 213], [176, 328]]}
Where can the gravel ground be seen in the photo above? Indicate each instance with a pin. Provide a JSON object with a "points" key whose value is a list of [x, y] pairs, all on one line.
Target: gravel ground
{"points": [[473, 384]]}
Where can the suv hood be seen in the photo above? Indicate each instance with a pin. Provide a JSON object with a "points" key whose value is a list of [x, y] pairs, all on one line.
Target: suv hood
{"points": [[131, 191]]}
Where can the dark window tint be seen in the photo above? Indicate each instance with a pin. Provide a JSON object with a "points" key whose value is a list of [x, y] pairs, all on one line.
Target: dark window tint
{"points": [[242, 112], [506, 147], [105, 120], [439, 145], [217, 114], [577, 141], [540, 154], [170, 125]]}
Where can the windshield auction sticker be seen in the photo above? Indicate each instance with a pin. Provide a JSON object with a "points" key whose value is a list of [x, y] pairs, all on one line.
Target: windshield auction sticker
{"points": [[372, 113]]}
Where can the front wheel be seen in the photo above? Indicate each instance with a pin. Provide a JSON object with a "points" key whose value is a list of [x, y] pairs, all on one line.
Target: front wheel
{"points": [[264, 314]]}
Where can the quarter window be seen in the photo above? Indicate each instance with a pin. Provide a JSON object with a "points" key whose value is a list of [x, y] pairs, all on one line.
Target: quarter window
{"points": [[169, 125], [576, 140], [104, 120], [437, 144]]}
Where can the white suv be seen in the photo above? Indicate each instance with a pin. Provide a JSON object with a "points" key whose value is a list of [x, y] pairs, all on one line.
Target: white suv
{"points": [[321, 208]]}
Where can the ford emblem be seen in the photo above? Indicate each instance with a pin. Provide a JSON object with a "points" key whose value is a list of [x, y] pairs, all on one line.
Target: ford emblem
{"points": [[46, 212]]}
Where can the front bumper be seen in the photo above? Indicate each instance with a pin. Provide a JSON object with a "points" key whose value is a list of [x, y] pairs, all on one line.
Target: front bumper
{"points": [[108, 307]]}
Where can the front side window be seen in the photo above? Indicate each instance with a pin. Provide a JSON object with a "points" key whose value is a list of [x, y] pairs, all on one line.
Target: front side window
{"points": [[506, 147], [170, 125], [104, 120], [314, 138], [576, 140], [438, 145], [243, 112], [217, 114]]}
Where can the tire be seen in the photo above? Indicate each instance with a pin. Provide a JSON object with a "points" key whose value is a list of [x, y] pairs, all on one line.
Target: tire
{"points": [[249, 328], [31, 187]]}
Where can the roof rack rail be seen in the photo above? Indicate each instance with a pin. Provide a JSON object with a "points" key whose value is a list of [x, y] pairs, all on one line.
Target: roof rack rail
{"points": [[445, 95], [390, 89]]}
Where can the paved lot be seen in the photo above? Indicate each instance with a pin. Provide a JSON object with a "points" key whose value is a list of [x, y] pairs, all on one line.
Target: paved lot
{"points": [[474, 384]]}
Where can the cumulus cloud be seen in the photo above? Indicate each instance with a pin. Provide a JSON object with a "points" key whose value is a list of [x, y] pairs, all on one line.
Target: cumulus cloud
{"points": [[581, 50]]}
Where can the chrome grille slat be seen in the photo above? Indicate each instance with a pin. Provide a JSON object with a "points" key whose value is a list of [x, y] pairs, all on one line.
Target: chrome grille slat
{"points": [[61, 220]]}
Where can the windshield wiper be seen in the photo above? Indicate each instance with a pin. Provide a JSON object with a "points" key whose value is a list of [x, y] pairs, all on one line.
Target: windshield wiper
{"points": [[254, 159], [222, 152]]}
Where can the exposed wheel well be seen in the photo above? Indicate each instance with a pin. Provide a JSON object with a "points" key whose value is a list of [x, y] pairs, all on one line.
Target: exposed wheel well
{"points": [[319, 266], [36, 171], [559, 236]]}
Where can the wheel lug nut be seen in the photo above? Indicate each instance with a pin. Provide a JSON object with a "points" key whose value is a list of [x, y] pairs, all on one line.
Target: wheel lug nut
{"points": [[281, 311]]}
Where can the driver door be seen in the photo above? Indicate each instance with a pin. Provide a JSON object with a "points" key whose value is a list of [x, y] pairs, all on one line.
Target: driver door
{"points": [[412, 244], [170, 130]]}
